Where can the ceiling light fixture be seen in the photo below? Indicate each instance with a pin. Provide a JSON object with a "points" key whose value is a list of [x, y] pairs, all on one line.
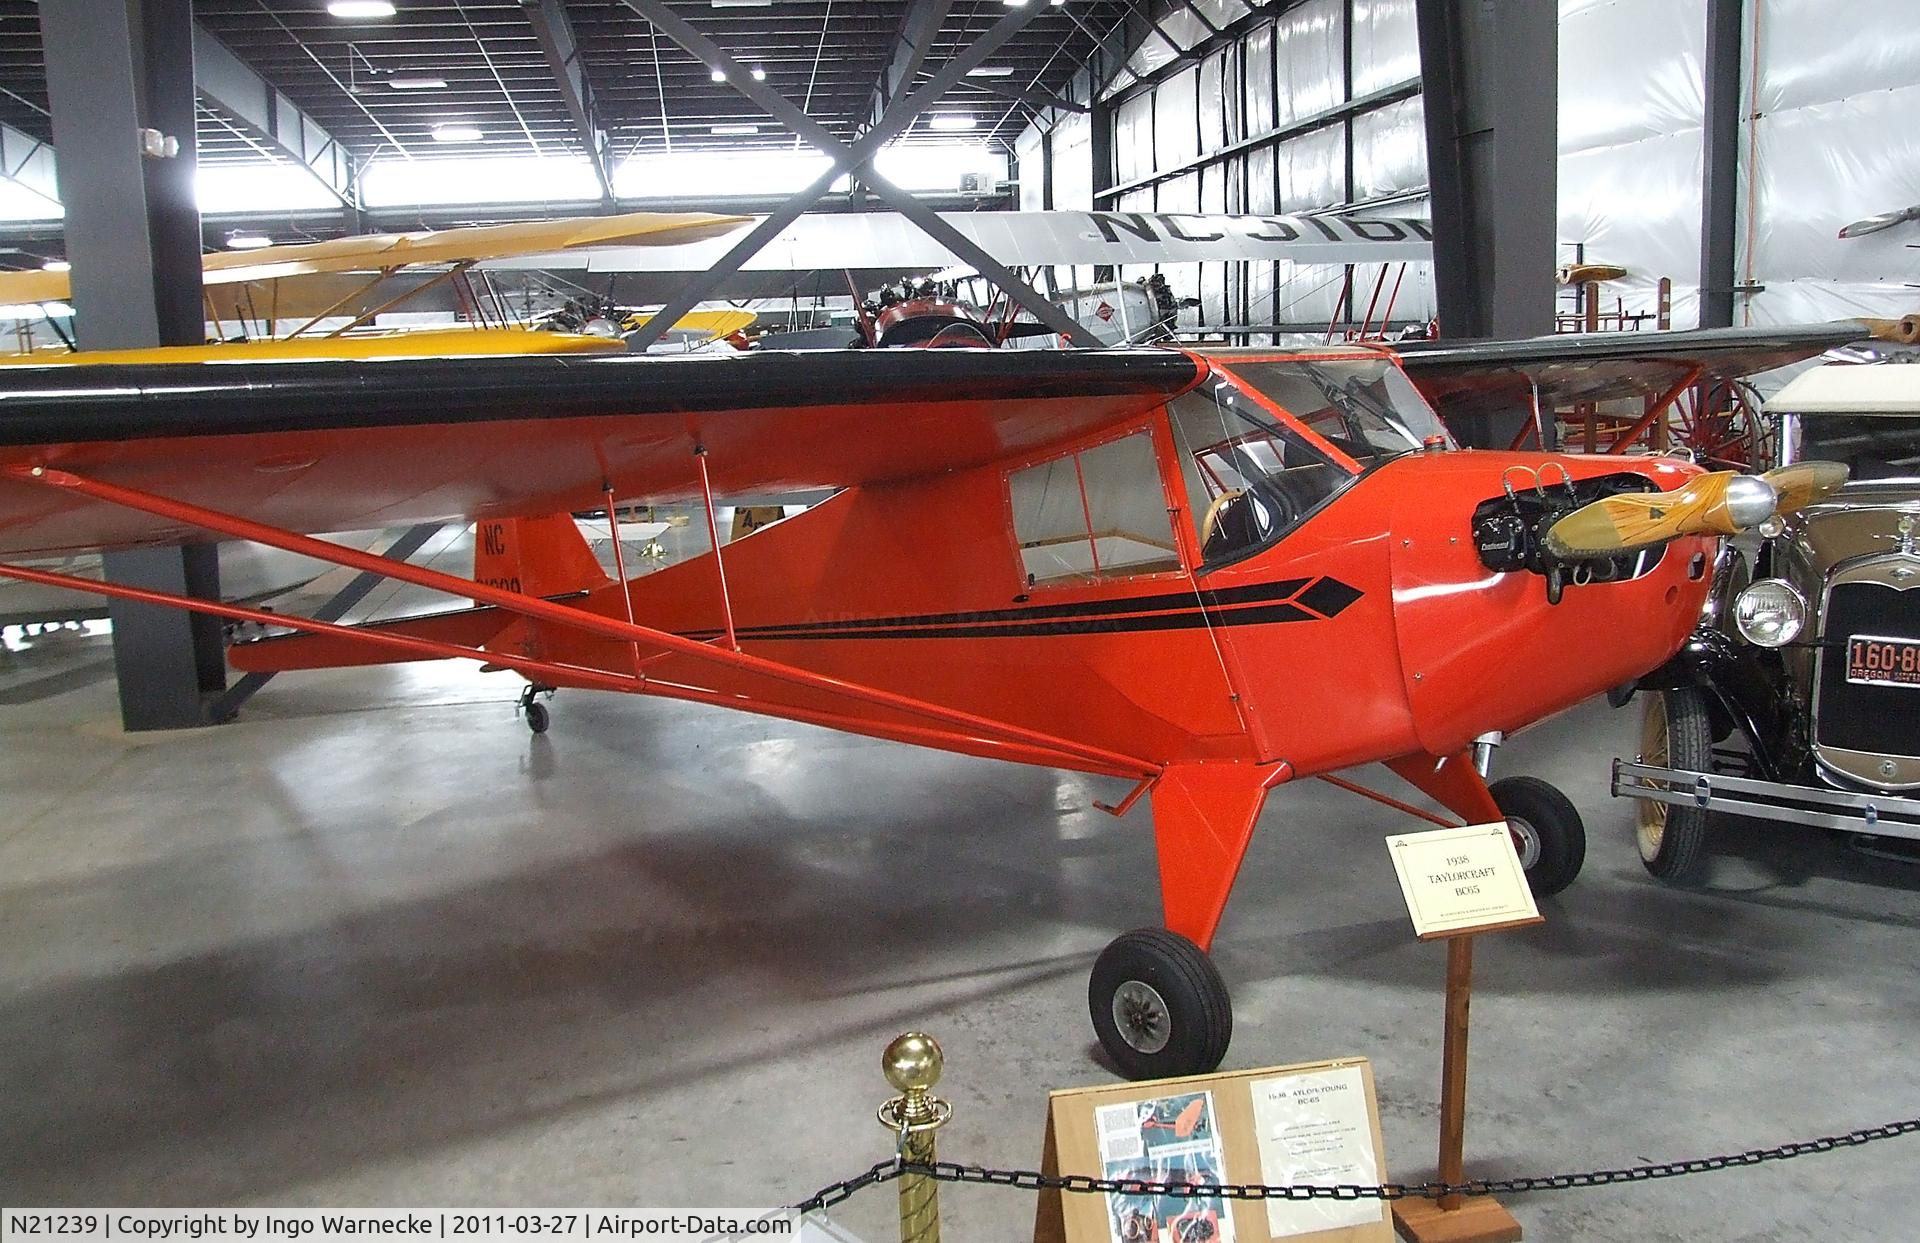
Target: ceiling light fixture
{"points": [[360, 10], [952, 123], [416, 82], [56, 265], [718, 75], [241, 240], [456, 132], [735, 130], [991, 71], [742, 4], [759, 74]]}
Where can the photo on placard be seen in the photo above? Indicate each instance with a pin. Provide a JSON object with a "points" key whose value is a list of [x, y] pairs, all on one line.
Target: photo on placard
{"points": [[1165, 1139]]}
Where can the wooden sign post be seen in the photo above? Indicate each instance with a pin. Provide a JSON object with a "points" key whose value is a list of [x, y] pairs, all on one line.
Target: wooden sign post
{"points": [[1458, 883]]}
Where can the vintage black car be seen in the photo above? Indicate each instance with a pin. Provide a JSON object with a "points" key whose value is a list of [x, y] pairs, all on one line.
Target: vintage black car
{"points": [[1798, 697]]}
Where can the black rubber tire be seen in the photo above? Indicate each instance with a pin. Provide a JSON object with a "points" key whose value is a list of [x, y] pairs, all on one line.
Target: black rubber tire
{"points": [[537, 718], [1199, 1012], [1555, 821], [1681, 849]]}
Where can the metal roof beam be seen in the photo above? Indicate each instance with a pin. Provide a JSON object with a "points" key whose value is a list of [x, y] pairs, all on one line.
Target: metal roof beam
{"points": [[28, 163], [239, 90], [1036, 99], [900, 114], [918, 29], [562, 50]]}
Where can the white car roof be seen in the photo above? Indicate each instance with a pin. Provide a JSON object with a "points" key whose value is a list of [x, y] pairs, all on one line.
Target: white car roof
{"points": [[1851, 388]]}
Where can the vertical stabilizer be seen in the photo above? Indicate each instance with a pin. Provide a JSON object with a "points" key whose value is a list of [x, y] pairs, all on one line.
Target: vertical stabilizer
{"points": [[537, 556]]}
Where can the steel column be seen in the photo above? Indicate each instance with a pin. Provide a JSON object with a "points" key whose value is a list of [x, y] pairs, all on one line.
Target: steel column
{"points": [[1720, 190], [114, 69], [1489, 77]]}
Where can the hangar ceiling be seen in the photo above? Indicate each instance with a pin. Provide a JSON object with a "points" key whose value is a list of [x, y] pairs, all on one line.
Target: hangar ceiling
{"points": [[371, 83]]}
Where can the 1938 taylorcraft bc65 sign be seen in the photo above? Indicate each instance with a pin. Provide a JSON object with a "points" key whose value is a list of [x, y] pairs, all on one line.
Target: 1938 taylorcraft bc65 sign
{"points": [[1209, 574]]}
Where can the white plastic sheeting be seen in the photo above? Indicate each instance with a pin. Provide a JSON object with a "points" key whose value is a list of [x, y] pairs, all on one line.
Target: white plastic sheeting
{"points": [[1390, 150], [1632, 103], [1280, 71], [1833, 84], [1308, 46], [1837, 87], [1386, 44], [1030, 166]]}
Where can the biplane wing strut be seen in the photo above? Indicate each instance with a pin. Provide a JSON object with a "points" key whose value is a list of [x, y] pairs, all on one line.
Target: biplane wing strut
{"points": [[949, 728]]}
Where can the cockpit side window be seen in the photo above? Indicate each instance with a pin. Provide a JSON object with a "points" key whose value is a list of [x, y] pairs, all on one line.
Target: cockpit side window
{"points": [[1249, 479], [1092, 515]]}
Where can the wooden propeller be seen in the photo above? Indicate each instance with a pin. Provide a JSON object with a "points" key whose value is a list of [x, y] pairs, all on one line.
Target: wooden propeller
{"points": [[1803, 483], [1723, 503]]}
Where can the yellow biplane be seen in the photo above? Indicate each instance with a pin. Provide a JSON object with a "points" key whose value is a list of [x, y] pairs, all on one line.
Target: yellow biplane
{"points": [[315, 286]]}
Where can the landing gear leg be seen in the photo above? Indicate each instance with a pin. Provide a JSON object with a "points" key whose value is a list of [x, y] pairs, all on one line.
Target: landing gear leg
{"points": [[1547, 832], [1159, 1006], [535, 713]]}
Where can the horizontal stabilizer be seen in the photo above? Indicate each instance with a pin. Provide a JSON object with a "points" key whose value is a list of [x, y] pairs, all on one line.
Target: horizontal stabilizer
{"points": [[467, 627]]}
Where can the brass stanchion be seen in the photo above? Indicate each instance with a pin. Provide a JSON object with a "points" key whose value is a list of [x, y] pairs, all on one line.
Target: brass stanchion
{"points": [[912, 1064]]}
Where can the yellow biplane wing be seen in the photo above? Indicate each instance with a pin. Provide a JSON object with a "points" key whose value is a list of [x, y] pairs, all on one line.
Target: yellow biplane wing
{"points": [[376, 252], [467, 342]]}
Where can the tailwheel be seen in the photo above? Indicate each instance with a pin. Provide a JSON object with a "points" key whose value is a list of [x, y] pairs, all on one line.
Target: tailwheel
{"points": [[1159, 1005], [1547, 832], [1675, 732], [536, 713]]}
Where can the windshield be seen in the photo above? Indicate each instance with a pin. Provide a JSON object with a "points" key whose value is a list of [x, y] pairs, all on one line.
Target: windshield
{"points": [[1876, 448], [1364, 406], [1249, 479]]}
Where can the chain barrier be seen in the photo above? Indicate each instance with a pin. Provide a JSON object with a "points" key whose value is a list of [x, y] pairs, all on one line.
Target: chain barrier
{"points": [[1084, 1184]]}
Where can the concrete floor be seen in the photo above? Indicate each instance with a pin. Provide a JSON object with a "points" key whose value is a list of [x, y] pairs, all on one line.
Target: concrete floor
{"points": [[375, 944]]}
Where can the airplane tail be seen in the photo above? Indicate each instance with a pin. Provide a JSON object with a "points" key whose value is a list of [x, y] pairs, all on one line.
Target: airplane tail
{"points": [[535, 556]]}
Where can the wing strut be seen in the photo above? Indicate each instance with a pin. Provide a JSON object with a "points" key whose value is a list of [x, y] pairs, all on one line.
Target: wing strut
{"points": [[996, 738]]}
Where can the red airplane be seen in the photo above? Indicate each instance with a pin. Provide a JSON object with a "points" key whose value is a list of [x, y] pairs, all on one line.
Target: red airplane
{"points": [[1208, 574]]}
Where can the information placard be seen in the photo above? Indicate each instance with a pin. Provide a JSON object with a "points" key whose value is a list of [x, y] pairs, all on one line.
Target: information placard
{"points": [[1467, 879], [1315, 1123], [1313, 1127]]}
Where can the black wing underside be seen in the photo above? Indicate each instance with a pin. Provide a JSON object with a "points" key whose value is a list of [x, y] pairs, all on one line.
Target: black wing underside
{"points": [[1490, 377]]}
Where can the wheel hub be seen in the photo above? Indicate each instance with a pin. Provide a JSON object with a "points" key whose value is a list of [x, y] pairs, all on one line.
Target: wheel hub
{"points": [[1526, 841], [1140, 1015]]}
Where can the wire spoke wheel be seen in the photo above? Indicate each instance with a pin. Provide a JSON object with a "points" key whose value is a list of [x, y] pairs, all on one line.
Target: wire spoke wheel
{"points": [[1650, 817], [1676, 732]]}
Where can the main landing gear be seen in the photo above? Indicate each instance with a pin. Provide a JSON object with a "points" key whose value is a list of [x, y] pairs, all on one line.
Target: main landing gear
{"points": [[1547, 832], [536, 714], [1159, 1006]]}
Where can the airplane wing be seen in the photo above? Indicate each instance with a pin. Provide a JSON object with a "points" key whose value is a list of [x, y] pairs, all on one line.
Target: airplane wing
{"points": [[347, 445], [376, 251], [1483, 377], [887, 240]]}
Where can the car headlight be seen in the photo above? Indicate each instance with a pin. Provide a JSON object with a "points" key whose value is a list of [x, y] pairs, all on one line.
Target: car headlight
{"points": [[1769, 613]]}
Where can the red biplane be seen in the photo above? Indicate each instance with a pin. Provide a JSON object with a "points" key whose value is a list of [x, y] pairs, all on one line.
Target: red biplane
{"points": [[1206, 574]]}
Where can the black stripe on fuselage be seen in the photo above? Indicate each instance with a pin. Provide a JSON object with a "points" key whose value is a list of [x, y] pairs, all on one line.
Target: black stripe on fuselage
{"points": [[1263, 604]]}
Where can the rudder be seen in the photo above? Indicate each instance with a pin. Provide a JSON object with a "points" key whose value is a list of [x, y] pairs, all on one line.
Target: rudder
{"points": [[535, 556]]}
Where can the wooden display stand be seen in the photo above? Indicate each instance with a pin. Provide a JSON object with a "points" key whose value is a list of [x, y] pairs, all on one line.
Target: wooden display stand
{"points": [[1072, 1146], [1455, 1218]]}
